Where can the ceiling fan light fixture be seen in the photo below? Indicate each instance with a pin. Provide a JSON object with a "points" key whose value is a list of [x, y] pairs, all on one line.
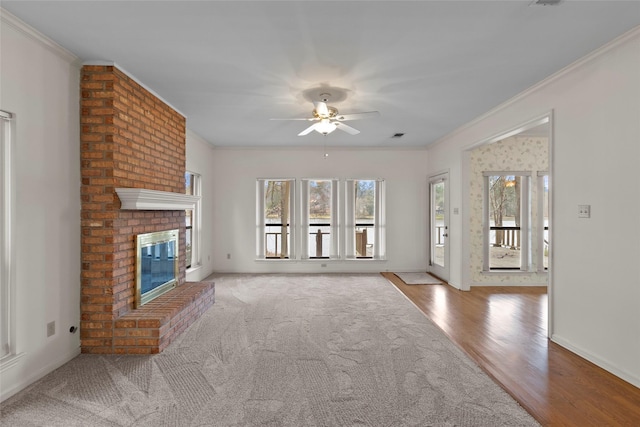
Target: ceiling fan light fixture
{"points": [[325, 126]]}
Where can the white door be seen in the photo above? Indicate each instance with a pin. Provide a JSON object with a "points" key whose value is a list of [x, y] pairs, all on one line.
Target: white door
{"points": [[439, 226]]}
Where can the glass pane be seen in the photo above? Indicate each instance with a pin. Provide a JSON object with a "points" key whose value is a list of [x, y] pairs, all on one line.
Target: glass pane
{"points": [[364, 242], [189, 180], [437, 191], [365, 217], [189, 183], [504, 219], [319, 218], [187, 257], [319, 241], [4, 284], [277, 214], [545, 221]]}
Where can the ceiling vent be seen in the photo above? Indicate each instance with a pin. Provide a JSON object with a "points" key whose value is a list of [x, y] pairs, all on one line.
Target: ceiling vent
{"points": [[545, 2]]}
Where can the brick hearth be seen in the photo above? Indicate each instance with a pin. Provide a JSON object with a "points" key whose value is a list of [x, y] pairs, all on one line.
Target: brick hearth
{"points": [[129, 139]]}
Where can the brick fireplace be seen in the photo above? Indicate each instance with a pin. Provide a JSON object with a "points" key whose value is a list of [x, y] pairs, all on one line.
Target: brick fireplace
{"points": [[129, 139]]}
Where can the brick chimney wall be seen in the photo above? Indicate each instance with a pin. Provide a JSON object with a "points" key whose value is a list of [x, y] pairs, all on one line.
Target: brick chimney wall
{"points": [[129, 139]]}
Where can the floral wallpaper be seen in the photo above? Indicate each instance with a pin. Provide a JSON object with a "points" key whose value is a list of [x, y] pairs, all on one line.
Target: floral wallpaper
{"points": [[516, 153]]}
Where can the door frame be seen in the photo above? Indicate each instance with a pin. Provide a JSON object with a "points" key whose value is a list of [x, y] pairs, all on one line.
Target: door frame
{"points": [[549, 118], [442, 273]]}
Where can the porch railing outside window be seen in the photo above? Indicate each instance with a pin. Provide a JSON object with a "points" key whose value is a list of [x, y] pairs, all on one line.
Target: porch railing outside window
{"points": [[273, 241], [274, 227], [507, 213]]}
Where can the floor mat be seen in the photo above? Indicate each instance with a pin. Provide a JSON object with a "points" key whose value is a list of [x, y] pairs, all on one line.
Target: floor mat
{"points": [[418, 279]]}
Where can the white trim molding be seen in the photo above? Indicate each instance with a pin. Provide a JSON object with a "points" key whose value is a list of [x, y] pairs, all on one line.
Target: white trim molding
{"points": [[8, 18], [153, 200]]}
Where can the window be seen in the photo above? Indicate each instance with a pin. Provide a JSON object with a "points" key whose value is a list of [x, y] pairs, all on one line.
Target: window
{"points": [[192, 219], [506, 223], [7, 347], [364, 222], [326, 230], [275, 218], [319, 218]]}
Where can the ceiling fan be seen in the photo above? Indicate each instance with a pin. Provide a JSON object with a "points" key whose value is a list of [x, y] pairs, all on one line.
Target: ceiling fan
{"points": [[327, 119]]}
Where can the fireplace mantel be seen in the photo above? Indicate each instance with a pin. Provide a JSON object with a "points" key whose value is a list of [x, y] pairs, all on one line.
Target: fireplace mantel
{"points": [[153, 200]]}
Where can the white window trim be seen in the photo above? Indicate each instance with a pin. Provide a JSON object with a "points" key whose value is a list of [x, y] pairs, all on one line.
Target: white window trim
{"points": [[379, 227], [343, 226], [7, 232], [196, 227], [261, 224], [540, 209], [525, 222], [334, 248]]}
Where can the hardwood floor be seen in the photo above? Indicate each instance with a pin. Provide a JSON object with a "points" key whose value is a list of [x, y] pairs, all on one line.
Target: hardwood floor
{"points": [[504, 330]]}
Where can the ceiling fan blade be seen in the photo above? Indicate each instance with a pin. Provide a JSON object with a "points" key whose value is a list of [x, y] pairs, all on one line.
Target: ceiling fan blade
{"points": [[321, 108], [308, 119], [357, 116], [308, 130], [346, 128]]}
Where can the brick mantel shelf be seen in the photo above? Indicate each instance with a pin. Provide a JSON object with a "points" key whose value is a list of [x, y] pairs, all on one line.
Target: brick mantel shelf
{"points": [[141, 199]]}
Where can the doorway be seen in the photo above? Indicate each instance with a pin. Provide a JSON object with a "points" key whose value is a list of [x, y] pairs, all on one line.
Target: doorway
{"points": [[525, 152], [439, 226]]}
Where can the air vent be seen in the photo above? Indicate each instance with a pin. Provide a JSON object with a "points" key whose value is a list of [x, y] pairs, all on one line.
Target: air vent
{"points": [[398, 135], [545, 2]]}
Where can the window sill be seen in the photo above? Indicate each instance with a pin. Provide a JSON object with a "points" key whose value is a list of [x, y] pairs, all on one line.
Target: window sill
{"points": [[321, 260], [194, 268], [512, 272]]}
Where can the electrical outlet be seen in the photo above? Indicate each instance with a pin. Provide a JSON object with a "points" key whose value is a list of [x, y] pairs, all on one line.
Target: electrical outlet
{"points": [[584, 211], [228, 256], [51, 328], [323, 265]]}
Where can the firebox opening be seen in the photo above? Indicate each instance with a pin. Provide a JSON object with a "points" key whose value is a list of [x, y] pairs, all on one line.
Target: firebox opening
{"points": [[156, 265]]}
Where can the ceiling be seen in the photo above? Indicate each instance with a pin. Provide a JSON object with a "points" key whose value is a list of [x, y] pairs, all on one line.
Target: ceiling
{"points": [[428, 67]]}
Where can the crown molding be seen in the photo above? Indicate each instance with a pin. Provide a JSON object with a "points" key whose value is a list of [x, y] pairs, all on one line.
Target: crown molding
{"points": [[602, 50], [24, 28], [153, 200]]}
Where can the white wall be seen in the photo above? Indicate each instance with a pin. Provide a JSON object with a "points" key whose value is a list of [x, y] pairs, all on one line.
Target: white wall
{"points": [[595, 157], [40, 85], [200, 158], [234, 214]]}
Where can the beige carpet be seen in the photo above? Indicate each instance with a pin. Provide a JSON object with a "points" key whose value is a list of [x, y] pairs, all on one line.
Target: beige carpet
{"points": [[281, 350], [418, 279]]}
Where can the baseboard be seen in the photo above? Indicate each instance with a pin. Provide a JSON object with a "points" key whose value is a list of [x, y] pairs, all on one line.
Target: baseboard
{"points": [[510, 284], [16, 388], [603, 363]]}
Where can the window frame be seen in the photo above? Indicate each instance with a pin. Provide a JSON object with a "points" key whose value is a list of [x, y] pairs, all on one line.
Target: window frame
{"points": [[343, 222], [379, 221], [8, 350], [333, 224], [540, 194], [261, 225], [196, 223], [525, 223]]}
